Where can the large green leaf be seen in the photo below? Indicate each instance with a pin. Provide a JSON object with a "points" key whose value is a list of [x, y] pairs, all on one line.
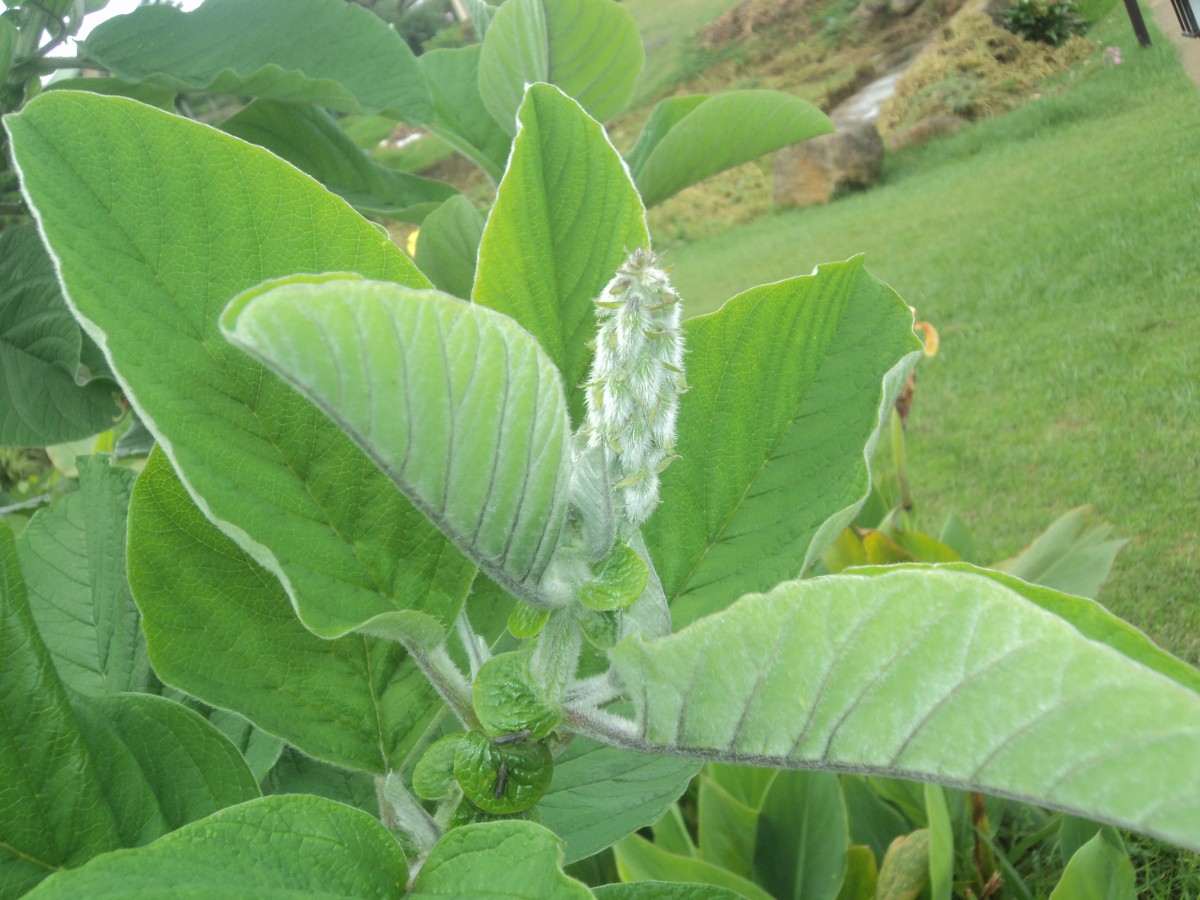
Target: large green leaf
{"points": [[114, 771], [600, 794], [73, 560], [296, 773], [564, 218], [54, 814], [272, 847], [936, 675], [150, 253], [41, 401], [459, 116], [457, 404], [589, 48], [1091, 619], [687, 139], [311, 140], [220, 627], [788, 386], [327, 52], [497, 859], [160, 765], [448, 246], [803, 836], [663, 890]]}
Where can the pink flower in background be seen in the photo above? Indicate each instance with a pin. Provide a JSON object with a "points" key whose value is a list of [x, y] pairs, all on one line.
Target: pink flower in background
{"points": [[1112, 56]]}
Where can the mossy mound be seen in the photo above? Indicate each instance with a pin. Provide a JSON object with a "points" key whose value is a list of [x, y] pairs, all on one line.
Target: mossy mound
{"points": [[975, 69]]}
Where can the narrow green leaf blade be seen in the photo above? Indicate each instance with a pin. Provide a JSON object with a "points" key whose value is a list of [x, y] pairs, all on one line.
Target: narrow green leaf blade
{"points": [[448, 246], [788, 386], [728, 829], [54, 814], [803, 836], [311, 140], [640, 860], [457, 404], [682, 146], [221, 628], [565, 216], [941, 843], [936, 675], [41, 402], [583, 808], [1074, 555], [326, 52], [497, 859], [272, 847], [73, 558], [150, 255]]}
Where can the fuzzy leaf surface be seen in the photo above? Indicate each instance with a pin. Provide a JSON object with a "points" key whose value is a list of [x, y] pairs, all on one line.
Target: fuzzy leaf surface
{"points": [[41, 402], [457, 404], [150, 253], [788, 384], [565, 216], [687, 139], [932, 675], [113, 771], [220, 627], [288, 846], [326, 52], [73, 559], [311, 140], [591, 49]]}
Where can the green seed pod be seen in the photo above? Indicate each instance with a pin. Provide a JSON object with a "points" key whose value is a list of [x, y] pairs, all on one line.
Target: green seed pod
{"points": [[507, 700], [502, 778]]}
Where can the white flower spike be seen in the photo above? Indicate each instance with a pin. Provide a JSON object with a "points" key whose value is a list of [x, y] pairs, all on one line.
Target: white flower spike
{"points": [[636, 380]]}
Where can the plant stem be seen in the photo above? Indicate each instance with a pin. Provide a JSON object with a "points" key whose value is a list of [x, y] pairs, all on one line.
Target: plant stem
{"points": [[556, 654], [477, 653], [605, 727], [596, 691], [401, 811], [443, 674]]}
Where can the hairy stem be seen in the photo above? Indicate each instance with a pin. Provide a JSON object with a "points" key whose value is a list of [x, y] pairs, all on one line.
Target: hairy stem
{"points": [[401, 811], [443, 674], [477, 651]]}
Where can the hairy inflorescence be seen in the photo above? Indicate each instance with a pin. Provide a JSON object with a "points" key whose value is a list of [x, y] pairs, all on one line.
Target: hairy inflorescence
{"points": [[636, 379]]}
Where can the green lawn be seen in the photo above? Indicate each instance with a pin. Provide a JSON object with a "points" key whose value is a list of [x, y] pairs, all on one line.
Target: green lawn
{"points": [[1057, 250]]}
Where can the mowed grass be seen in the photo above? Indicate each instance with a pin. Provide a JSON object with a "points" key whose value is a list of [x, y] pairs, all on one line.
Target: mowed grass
{"points": [[665, 26], [1057, 250]]}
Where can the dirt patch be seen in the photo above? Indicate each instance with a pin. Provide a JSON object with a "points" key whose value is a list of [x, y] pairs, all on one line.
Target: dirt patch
{"points": [[975, 69]]}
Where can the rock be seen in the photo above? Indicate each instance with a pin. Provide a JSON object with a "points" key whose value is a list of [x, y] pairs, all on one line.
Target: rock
{"points": [[816, 170], [923, 131], [871, 14]]}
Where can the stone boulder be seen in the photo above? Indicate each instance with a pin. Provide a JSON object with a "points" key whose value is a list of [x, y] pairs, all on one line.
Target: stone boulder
{"points": [[924, 131], [817, 170]]}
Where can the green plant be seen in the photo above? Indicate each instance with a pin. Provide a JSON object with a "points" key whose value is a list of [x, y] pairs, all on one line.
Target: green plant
{"points": [[393, 529], [1050, 23]]}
